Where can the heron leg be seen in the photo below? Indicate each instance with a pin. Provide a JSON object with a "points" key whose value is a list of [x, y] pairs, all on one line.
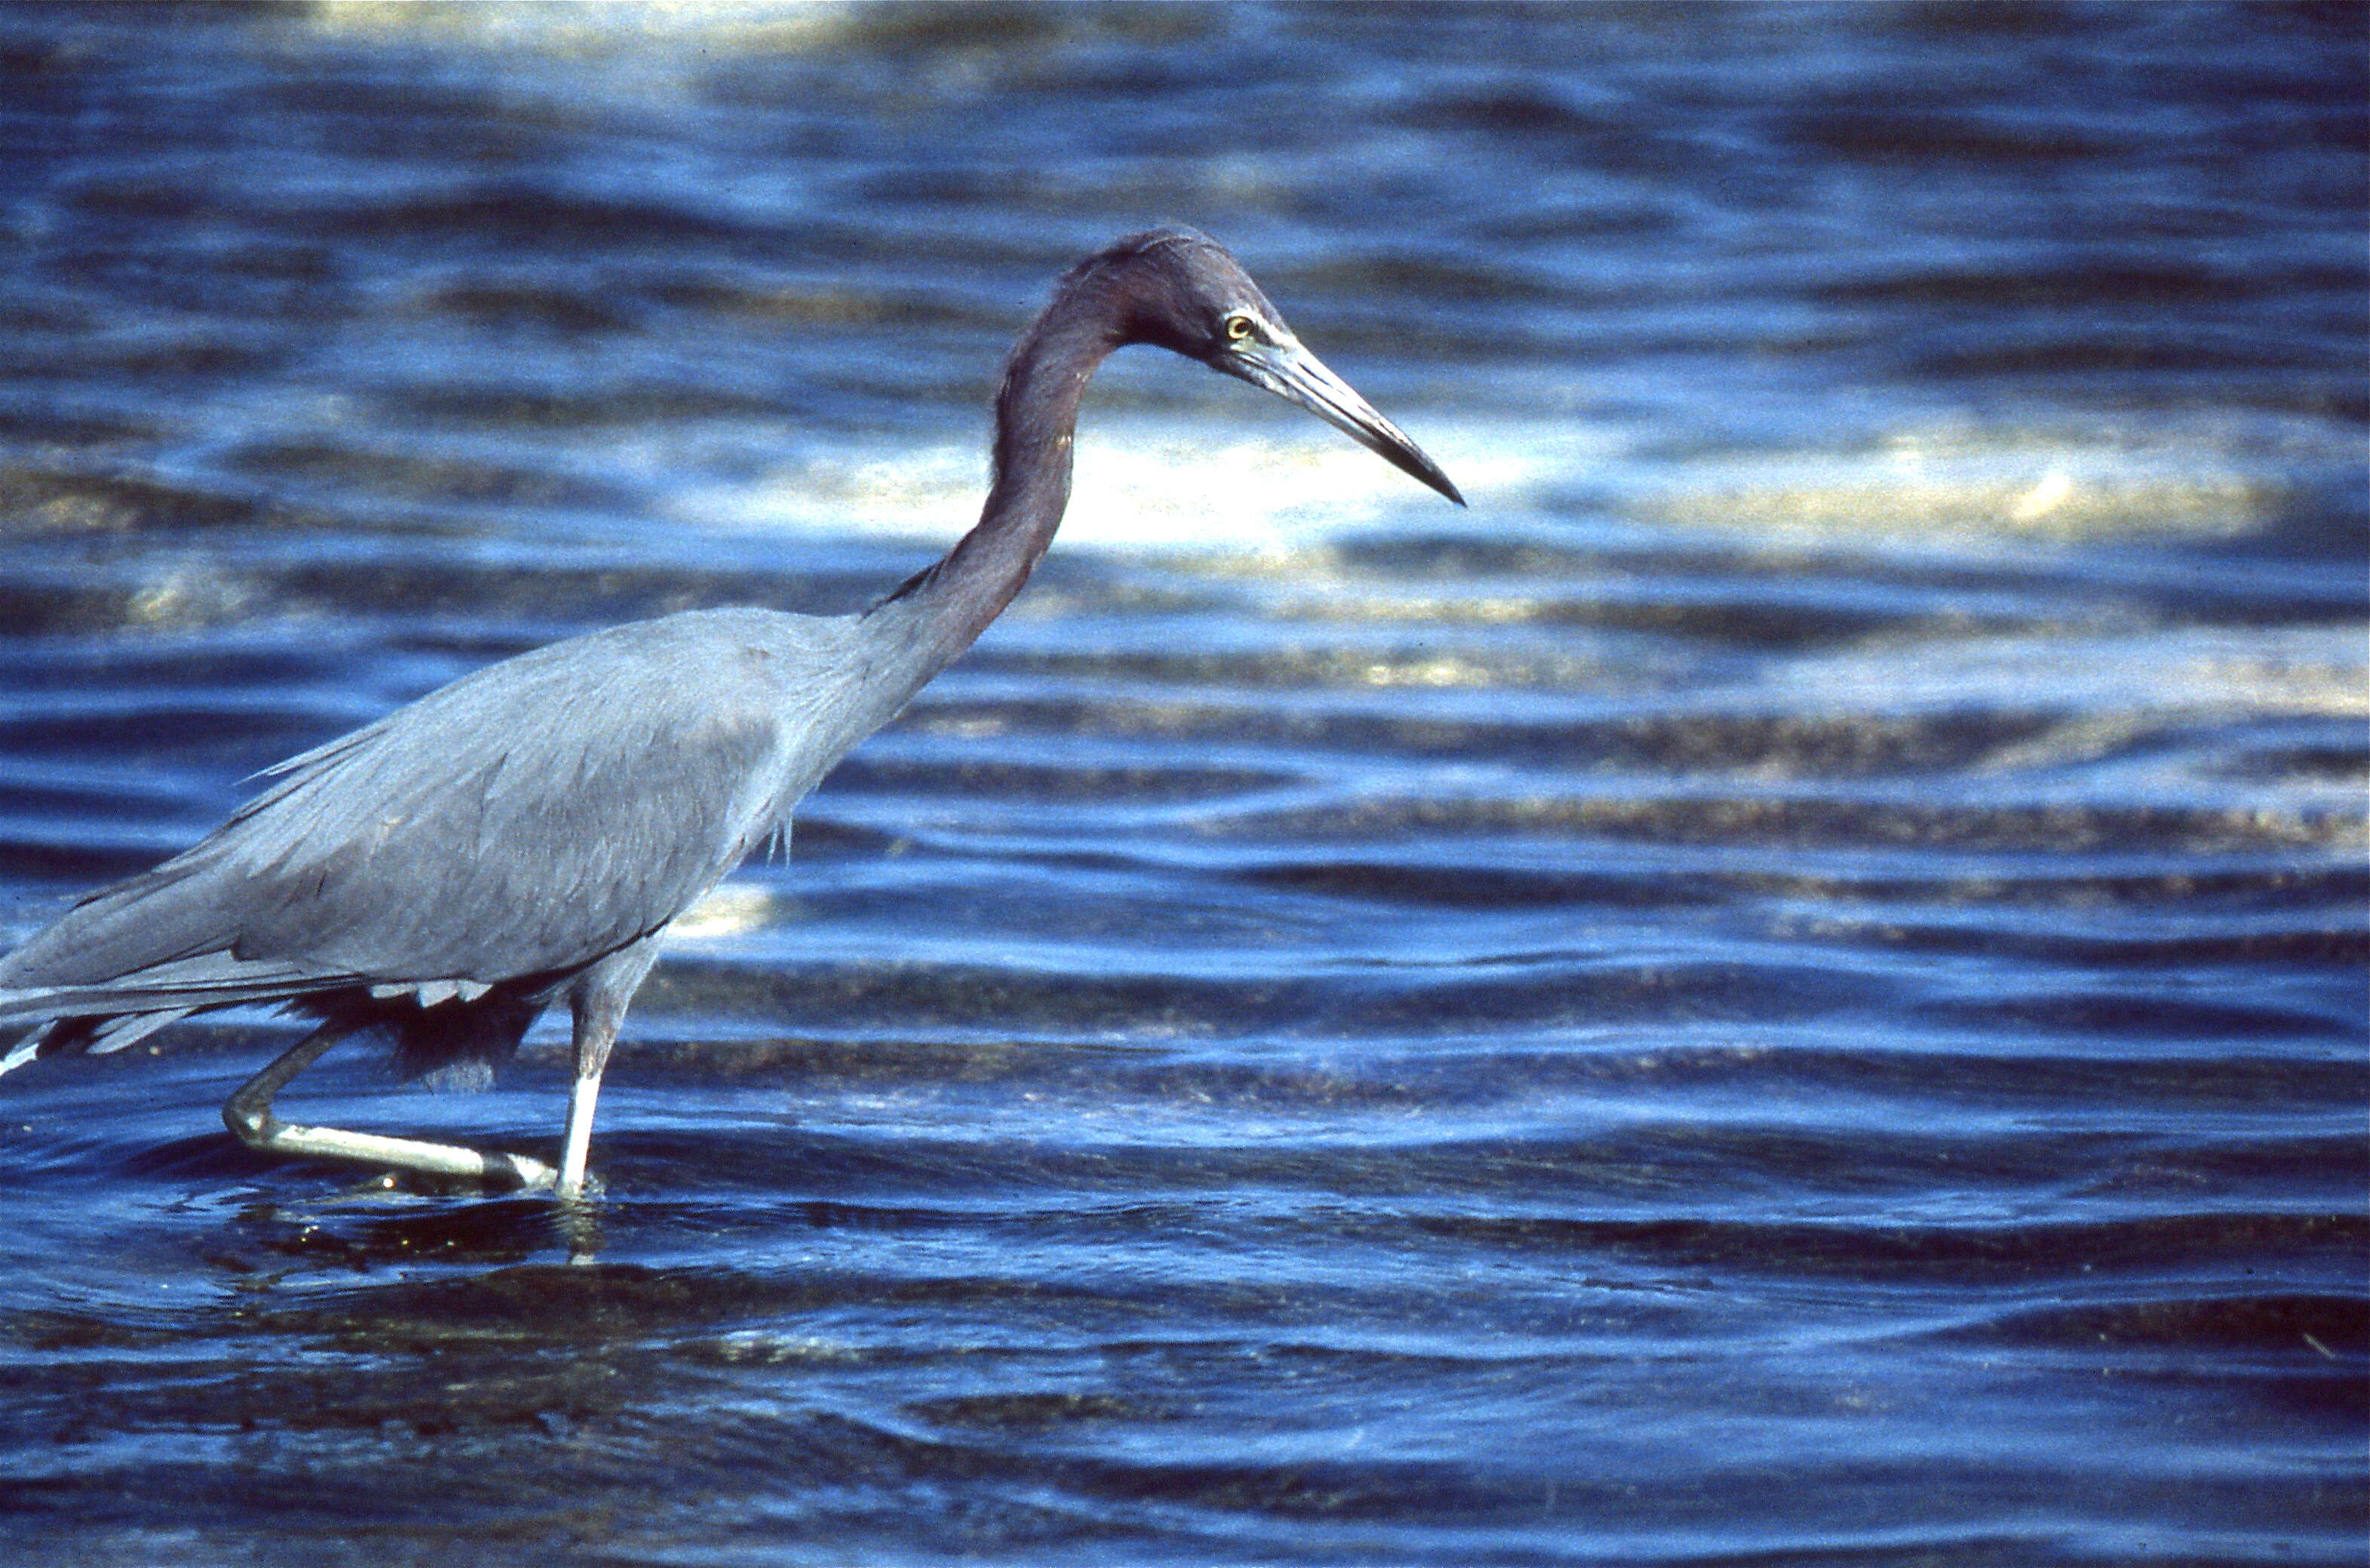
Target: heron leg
{"points": [[597, 1004], [248, 1116], [582, 1097]]}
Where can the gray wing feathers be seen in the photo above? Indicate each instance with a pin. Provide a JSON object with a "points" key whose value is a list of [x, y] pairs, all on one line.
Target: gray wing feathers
{"points": [[525, 821]]}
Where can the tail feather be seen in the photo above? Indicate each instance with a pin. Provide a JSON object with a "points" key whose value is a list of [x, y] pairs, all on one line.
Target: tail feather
{"points": [[96, 1020], [26, 1048], [99, 1003], [89, 1035], [116, 1033]]}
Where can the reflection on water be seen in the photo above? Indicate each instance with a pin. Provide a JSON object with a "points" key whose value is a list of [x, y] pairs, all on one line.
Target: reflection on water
{"points": [[1788, 987]]}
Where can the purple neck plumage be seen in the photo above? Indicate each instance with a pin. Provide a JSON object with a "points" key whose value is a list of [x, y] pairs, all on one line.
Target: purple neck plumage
{"points": [[948, 605]]}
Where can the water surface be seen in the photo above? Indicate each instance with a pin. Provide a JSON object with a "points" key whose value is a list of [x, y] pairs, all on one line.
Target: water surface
{"points": [[1789, 988]]}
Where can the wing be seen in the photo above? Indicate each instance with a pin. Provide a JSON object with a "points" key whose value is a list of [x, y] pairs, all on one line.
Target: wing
{"points": [[523, 821]]}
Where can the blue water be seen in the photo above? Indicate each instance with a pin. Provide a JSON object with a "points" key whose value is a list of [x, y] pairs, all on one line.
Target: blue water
{"points": [[1788, 988]]}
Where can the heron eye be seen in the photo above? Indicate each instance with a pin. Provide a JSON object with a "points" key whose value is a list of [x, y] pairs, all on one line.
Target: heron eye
{"points": [[1238, 329]]}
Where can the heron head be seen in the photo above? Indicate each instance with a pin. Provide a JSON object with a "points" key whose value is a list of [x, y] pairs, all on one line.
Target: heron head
{"points": [[1183, 291]]}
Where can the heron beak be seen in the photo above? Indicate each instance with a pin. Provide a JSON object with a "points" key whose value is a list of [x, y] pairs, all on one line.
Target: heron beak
{"points": [[1292, 372]]}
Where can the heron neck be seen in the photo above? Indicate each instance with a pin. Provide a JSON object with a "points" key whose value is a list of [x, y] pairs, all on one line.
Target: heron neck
{"points": [[947, 607]]}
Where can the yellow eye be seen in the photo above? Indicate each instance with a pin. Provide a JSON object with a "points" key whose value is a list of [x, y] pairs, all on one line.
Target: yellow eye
{"points": [[1238, 329]]}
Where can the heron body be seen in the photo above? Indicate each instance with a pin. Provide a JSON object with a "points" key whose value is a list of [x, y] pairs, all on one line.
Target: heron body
{"points": [[527, 833]]}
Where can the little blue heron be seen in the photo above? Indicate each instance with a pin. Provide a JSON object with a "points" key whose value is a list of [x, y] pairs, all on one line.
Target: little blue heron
{"points": [[530, 831]]}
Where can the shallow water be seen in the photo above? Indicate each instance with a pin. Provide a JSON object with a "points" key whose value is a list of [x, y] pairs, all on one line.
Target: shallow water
{"points": [[1789, 988]]}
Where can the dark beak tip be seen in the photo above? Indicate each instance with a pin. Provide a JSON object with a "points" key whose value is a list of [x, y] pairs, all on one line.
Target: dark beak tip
{"points": [[1445, 488], [1432, 475]]}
